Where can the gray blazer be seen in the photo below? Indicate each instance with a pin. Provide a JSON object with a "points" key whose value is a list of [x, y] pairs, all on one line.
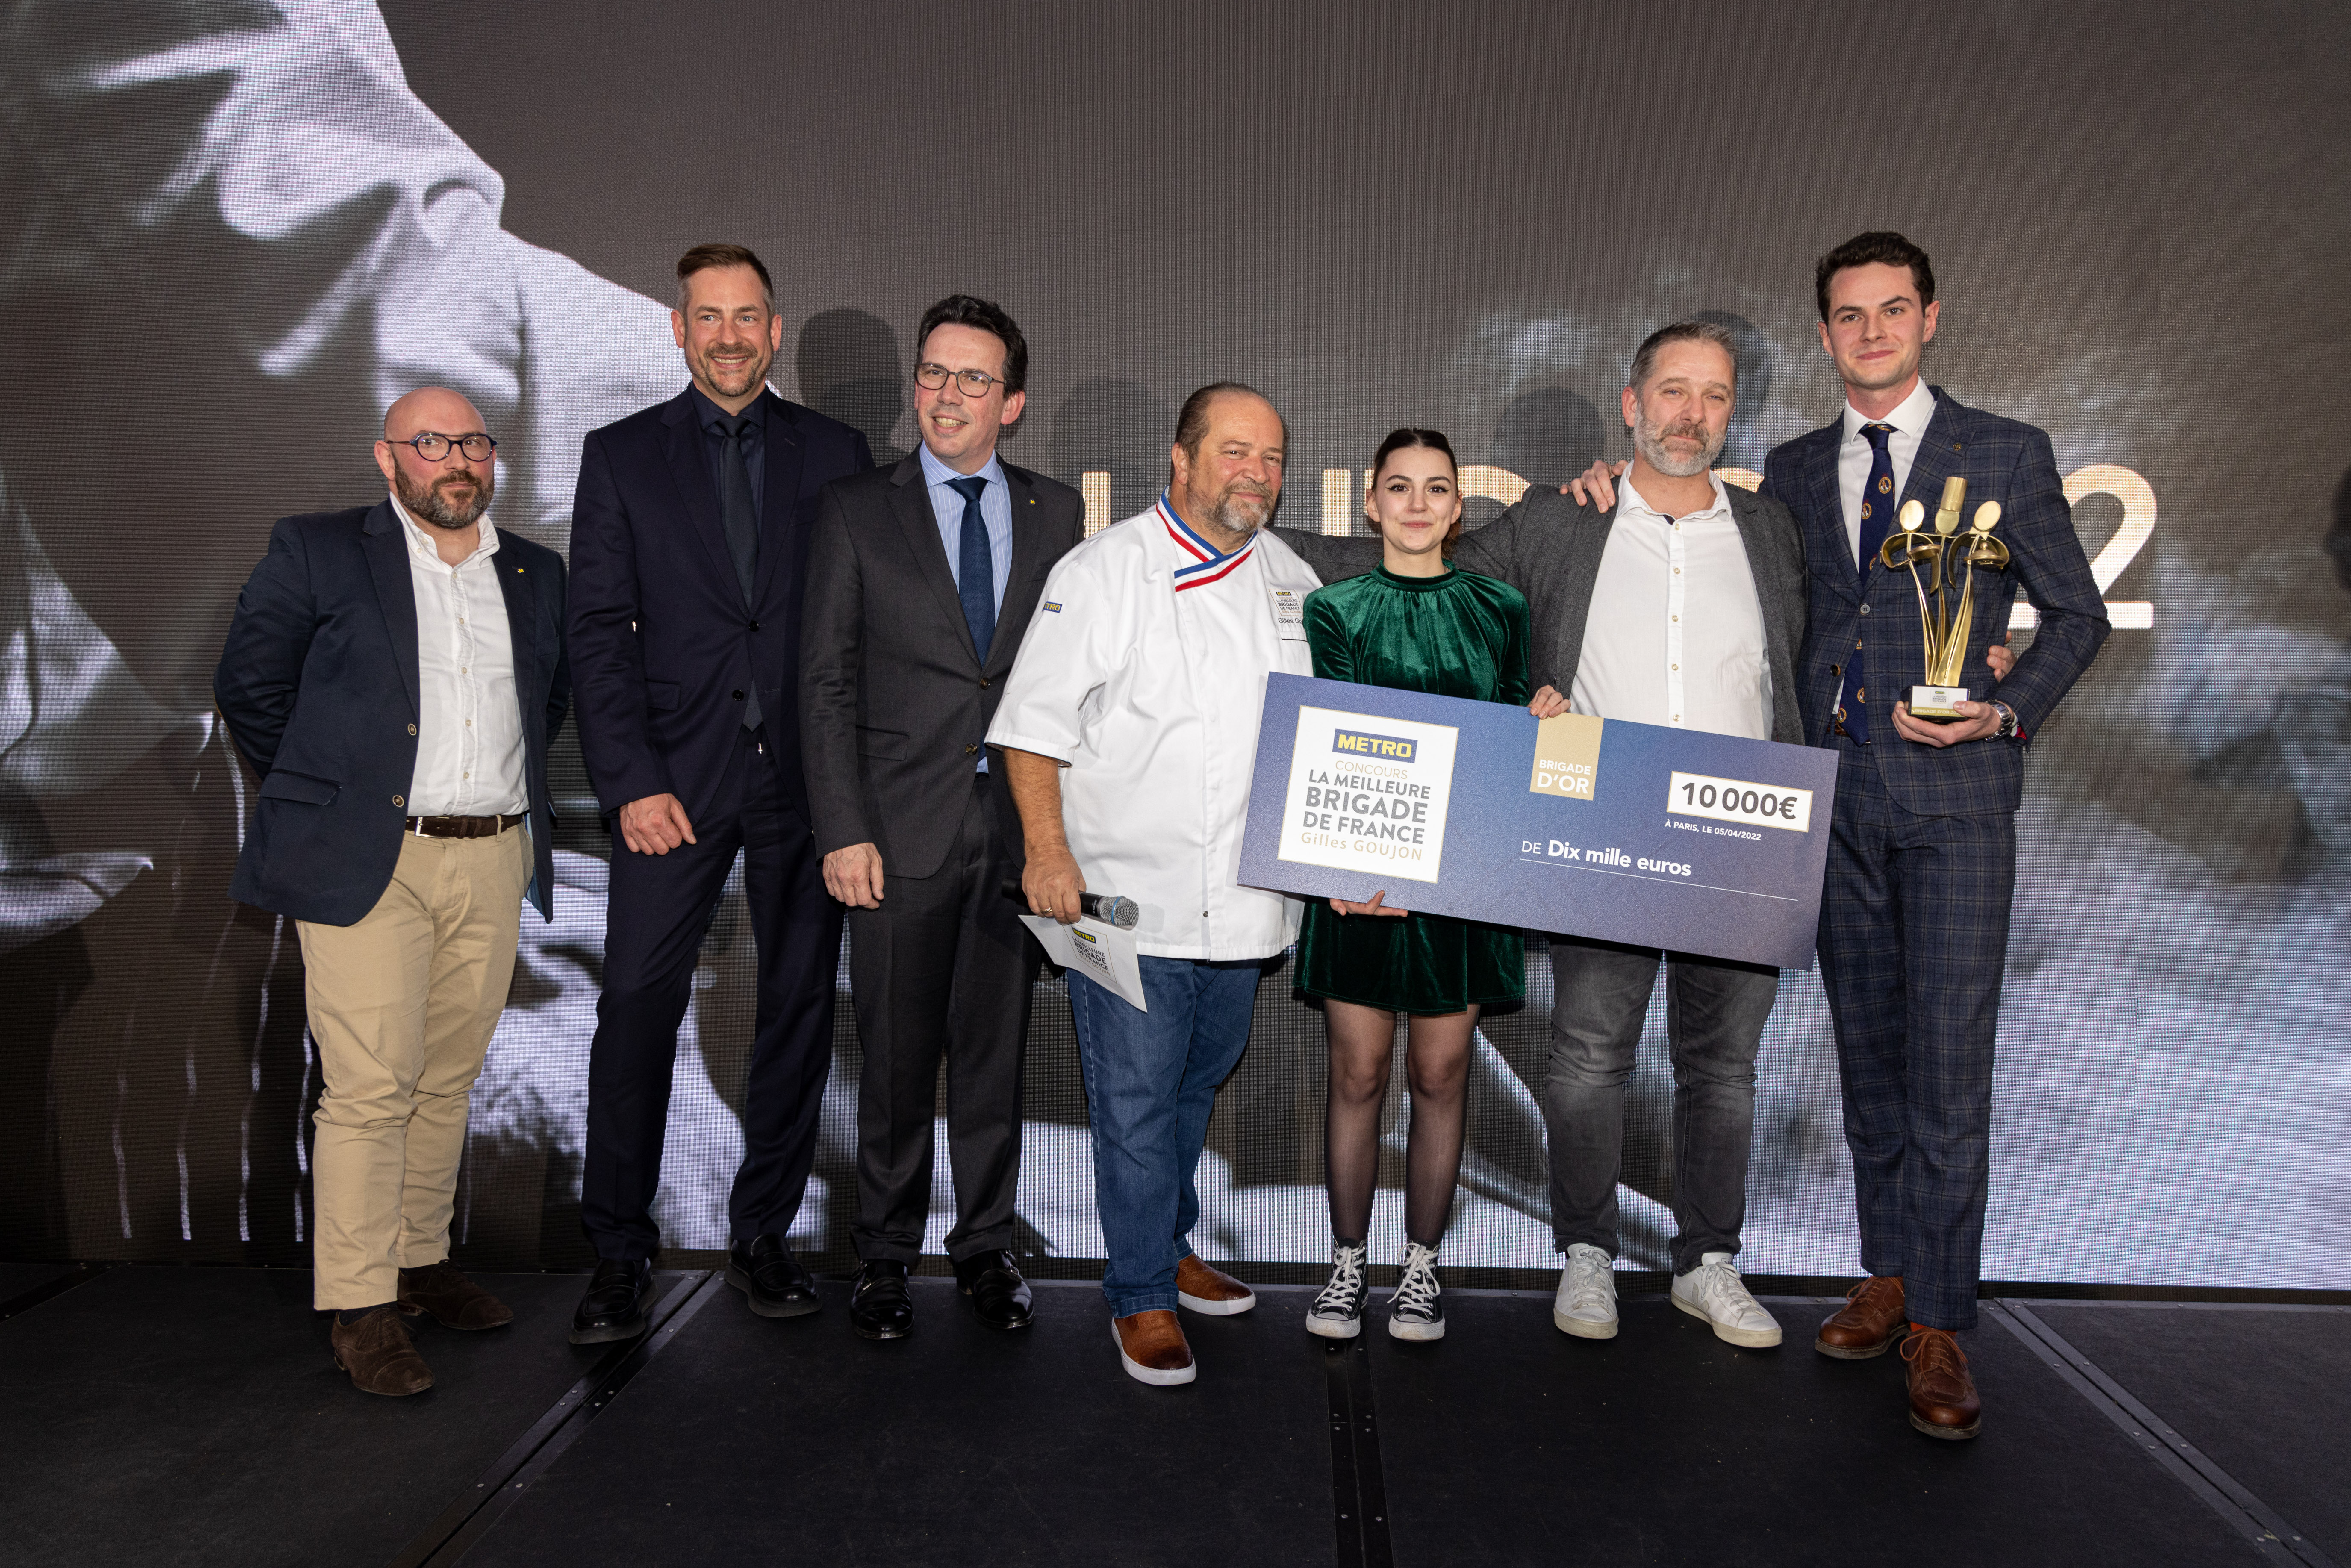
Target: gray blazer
{"points": [[894, 702], [1548, 548]]}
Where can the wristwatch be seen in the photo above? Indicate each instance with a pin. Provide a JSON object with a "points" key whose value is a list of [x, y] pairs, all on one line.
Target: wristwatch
{"points": [[2007, 721]]}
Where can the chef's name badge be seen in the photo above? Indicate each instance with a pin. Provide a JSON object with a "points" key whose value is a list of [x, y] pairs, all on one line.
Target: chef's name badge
{"points": [[1288, 614]]}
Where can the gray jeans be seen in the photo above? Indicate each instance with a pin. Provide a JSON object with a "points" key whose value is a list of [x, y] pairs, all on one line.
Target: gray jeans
{"points": [[1715, 1011]]}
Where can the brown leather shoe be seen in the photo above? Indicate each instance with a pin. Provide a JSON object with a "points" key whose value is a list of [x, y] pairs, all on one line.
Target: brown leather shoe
{"points": [[376, 1351], [1943, 1402], [1210, 1291], [1868, 1323], [455, 1301], [1152, 1347]]}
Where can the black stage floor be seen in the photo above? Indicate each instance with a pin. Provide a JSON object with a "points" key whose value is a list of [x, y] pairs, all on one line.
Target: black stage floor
{"points": [[191, 1416]]}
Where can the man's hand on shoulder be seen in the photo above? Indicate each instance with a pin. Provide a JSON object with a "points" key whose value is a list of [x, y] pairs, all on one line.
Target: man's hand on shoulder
{"points": [[1052, 882], [853, 874], [1596, 485], [654, 825]]}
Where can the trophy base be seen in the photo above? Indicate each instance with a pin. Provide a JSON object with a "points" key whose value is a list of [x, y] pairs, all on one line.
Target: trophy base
{"points": [[1939, 704]]}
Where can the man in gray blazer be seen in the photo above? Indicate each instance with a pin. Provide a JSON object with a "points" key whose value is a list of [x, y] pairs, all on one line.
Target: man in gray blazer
{"points": [[1683, 605], [921, 581]]}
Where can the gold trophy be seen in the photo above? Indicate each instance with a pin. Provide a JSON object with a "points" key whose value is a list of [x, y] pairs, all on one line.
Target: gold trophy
{"points": [[1946, 553]]}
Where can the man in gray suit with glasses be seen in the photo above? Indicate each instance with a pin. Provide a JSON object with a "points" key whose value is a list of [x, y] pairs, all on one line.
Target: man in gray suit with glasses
{"points": [[921, 582]]}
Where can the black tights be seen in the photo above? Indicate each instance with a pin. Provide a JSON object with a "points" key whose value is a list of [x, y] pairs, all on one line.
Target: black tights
{"points": [[1436, 1069]]}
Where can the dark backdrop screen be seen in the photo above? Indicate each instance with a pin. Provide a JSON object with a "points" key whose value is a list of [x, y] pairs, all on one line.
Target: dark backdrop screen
{"points": [[234, 232]]}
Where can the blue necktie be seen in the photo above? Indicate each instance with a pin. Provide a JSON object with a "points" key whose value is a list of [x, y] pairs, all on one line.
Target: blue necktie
{"points": [[1876, 511], [976, 568]]}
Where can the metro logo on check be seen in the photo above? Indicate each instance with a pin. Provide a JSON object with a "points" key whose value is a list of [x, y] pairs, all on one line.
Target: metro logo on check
{"points": [[1737, 800], [1386, 747]]}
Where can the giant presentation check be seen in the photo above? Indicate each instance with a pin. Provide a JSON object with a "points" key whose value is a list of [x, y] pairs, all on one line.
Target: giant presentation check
{"points": [[1626, 833]]}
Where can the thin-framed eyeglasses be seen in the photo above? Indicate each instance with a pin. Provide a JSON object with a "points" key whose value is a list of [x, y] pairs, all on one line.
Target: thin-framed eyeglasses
{"points": [[433, 446], [931, 376]]}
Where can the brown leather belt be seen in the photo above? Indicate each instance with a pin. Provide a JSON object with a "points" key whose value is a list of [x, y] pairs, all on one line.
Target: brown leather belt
{"points": [[461, 826]]}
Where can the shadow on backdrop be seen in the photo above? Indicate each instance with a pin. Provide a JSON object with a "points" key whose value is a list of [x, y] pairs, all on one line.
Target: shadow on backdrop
{"points": [[1115, 425], [1744, 448], [1547, 436], [849, 369]]}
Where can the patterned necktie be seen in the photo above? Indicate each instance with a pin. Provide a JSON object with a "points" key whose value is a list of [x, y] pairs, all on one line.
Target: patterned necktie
{"points": [[742, 520], [1876, 511], [976, 568]]}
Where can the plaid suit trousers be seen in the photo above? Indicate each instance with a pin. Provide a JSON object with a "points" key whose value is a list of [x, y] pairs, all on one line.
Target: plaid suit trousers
{"points": [[1913, 936]]}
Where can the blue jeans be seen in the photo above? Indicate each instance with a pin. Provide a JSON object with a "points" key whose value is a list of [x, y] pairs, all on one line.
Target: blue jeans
{"points": [[1151, 1080]]}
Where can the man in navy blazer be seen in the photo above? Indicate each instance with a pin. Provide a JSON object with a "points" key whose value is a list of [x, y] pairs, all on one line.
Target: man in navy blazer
{"points": [[689, 538], [1922, 857], [394, 675]]}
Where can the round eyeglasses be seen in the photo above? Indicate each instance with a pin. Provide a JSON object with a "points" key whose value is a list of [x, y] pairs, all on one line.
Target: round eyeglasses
{"points": [[975, 383], [433, 446]]}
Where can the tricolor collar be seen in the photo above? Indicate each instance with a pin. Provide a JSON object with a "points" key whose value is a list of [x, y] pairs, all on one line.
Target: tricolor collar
{"points": [[1208, 564]]}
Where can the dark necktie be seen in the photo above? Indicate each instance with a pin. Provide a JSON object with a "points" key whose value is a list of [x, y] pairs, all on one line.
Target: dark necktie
{"points": [[742, 520], [1876, 512], [976, 566]]}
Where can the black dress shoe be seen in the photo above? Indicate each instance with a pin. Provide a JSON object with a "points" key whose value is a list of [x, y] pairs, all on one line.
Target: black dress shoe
{"points": [[1000, 1296], [614, 1306], [765, 1269], [880, 1307]]}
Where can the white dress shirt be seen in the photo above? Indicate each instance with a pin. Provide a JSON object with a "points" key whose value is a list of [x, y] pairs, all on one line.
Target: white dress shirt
{"points": [[1675, 634], [1144, 670], [1909, 422], [469, 720]]}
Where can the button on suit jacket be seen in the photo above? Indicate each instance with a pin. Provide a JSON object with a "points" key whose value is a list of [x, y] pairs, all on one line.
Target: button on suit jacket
{"points": [[894, 701]]}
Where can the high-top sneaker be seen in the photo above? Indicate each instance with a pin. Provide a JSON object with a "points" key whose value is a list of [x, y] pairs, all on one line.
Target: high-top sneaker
{"points": [[1417, 1312], [1338, 1311]]}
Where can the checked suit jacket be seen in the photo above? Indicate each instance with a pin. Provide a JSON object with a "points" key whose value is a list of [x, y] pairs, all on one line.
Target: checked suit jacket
{"points": [[894, 701], [2002, 460]]}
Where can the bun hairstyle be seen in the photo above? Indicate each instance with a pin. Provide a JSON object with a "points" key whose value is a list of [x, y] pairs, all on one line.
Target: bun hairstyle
{"points": [[1412, 436]]}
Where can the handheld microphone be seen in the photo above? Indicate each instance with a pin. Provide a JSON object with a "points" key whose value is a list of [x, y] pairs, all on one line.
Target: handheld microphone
{"points": [[1106, 907]]}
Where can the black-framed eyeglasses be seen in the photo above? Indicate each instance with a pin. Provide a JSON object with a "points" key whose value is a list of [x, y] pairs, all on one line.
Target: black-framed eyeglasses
{"points": [[433, 446], [931, 377]]}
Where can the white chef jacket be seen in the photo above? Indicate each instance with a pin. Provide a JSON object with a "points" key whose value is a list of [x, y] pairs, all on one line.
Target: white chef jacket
{"points": [[468, 720], [1675, 634], [1144, 671]]}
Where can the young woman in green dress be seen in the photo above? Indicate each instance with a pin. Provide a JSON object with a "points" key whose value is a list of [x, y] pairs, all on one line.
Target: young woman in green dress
{"points": [[1419, 624]]}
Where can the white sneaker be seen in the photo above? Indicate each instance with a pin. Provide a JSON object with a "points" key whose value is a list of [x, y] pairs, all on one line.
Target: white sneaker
{"points": [[1338, 1310], [1417, 1311], [1586, 1303], [1713, 1290]]}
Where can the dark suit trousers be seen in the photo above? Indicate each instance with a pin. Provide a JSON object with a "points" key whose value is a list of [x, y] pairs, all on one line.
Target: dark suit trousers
{"points": [[661, 906], [944, 968], [1913, 938]]}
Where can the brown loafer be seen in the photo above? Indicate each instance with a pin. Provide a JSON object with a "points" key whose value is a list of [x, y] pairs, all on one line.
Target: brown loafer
{"points": [[1869, 1323], [1943, 1402], [1152, 1348], [454, 1301], [377, 1354], [1210, 1291]]}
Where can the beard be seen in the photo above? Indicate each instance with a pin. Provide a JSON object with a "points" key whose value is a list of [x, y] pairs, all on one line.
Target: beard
{"points": [[426, 504], [1241, 508], [1650, 439]]}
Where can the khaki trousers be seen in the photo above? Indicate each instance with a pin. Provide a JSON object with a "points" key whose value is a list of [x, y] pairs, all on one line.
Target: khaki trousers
{"points": [[403, 1006]]}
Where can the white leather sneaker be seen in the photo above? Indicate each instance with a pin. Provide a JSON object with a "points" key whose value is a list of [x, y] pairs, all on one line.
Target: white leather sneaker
{"points": [[1713, 1290], [1586, 1303]]}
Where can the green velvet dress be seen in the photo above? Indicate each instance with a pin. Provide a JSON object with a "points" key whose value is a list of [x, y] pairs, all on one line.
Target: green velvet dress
{"points": [[1459, 635]]}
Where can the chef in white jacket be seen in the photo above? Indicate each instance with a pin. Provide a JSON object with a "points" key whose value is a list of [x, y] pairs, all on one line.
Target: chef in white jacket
{"points": [[1129, 730]]}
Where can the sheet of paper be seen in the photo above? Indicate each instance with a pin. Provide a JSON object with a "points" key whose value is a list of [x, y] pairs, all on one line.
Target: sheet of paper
{"points": [[1103, 954]]}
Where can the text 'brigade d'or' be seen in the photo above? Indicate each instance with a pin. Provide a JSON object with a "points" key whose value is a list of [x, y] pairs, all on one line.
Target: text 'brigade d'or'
{"points": [[1394, 748]]}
